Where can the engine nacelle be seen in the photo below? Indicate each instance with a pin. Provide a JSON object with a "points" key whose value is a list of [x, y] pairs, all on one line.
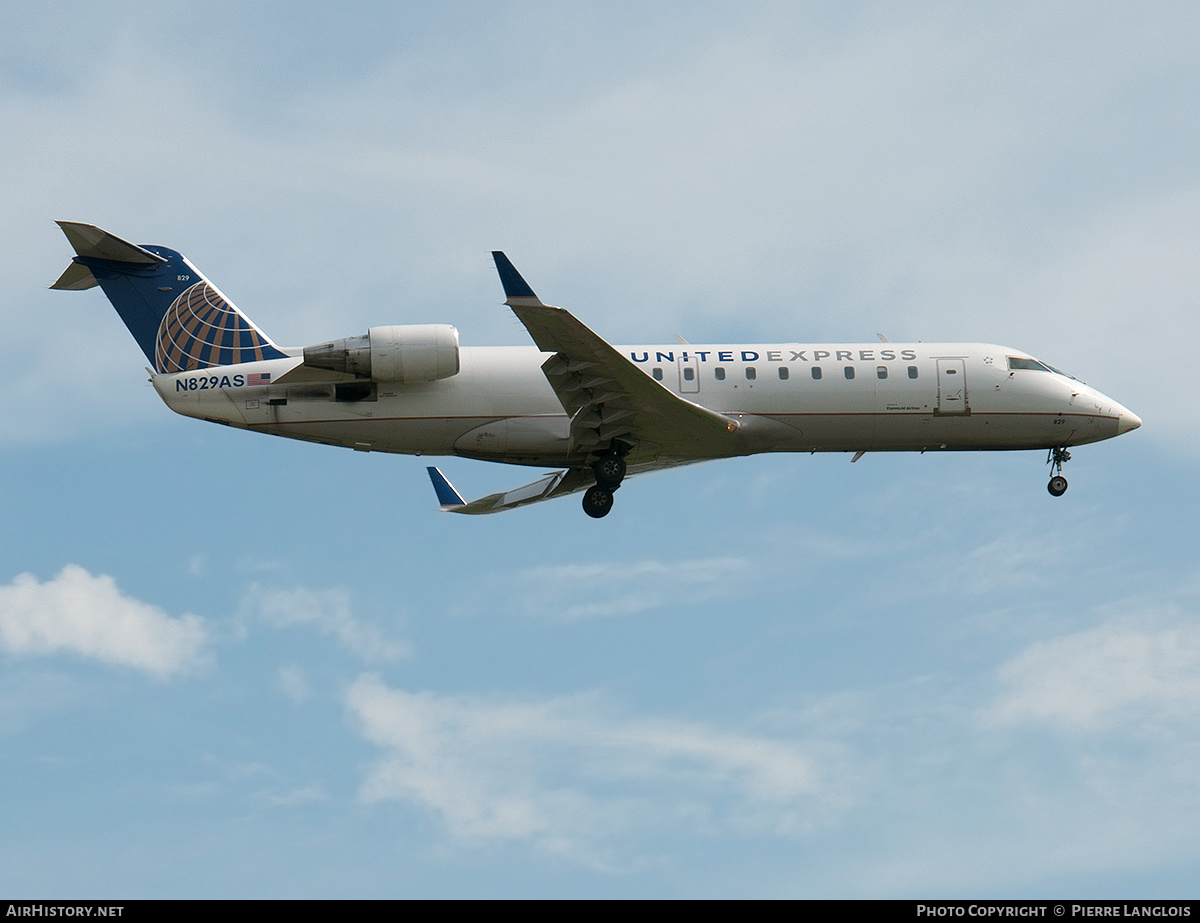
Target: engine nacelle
{"points": [[406, 353]]}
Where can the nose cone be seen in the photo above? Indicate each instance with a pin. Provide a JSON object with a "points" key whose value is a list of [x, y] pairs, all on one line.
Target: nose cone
{"points": [[1129, 421]]}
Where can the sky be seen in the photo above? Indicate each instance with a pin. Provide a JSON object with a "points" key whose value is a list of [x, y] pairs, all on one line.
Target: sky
{"points": [[233, 666]]}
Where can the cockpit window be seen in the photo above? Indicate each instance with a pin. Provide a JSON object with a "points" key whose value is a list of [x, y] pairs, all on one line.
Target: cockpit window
{"points": [[1016, 362]]}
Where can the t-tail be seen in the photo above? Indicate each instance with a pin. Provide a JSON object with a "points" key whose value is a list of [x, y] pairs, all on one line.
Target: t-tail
{"points": [[180, 320]]}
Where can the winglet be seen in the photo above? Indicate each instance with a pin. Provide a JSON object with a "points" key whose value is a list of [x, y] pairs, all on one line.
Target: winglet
{"points": [[516, 290], [447, 496]]}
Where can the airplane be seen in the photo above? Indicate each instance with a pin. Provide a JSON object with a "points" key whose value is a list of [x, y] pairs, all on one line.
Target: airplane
{"points": [[572, 401]]}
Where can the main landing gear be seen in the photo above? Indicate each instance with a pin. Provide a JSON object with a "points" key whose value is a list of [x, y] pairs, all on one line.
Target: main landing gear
{"points": [[609, 472], [1058, 483]]}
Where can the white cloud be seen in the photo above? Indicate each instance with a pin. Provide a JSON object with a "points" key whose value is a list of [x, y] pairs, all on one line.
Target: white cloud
{"points": [[561, 774], [1111, 674], [331, 613], [80, 613]]}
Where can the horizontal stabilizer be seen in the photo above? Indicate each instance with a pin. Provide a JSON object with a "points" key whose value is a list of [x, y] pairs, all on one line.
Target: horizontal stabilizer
{"points": [[89, 240], [92, 242], [75, 278]]}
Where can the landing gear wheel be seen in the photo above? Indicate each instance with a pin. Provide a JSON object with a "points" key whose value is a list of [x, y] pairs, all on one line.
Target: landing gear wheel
{"points": [[609, 471], [597, 501], [1058, 483]]}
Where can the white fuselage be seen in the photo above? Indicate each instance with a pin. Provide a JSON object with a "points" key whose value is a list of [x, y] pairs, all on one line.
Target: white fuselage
{"points": [[881, 397]]}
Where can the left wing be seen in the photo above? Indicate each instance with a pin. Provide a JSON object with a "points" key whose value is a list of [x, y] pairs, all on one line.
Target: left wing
{"points": [[558, 484], [555, 484], [607, 396]]}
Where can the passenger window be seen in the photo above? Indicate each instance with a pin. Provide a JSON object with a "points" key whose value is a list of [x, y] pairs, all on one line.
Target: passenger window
{"points": [[783, 373], [689, 374], [912, 371], [751, 373], [658, 374], [881, 371], [816, 373], [719, 373], [849, 370]]}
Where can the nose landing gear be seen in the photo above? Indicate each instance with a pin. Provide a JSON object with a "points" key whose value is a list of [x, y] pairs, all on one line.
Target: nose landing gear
{"points": [[1058, 483]]}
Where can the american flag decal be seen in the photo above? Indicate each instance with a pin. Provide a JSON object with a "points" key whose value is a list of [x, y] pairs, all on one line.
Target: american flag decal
{"points": [[256, 378]]}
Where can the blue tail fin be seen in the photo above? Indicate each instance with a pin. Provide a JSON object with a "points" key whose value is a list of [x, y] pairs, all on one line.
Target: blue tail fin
{"points": [[179, 319]]}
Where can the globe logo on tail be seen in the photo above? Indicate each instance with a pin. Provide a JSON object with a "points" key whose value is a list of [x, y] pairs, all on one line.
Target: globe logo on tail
{"points": [[202, 329]]}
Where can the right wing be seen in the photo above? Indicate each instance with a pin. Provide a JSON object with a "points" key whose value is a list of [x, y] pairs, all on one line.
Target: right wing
{"points": [[608, 399]]}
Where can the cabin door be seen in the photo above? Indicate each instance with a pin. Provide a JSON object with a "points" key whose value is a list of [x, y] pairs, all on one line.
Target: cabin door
{"points": [[952, 386]]}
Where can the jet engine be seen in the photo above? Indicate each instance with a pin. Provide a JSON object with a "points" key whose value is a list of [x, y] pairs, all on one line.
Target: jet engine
{"points": [[406, 353]]}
